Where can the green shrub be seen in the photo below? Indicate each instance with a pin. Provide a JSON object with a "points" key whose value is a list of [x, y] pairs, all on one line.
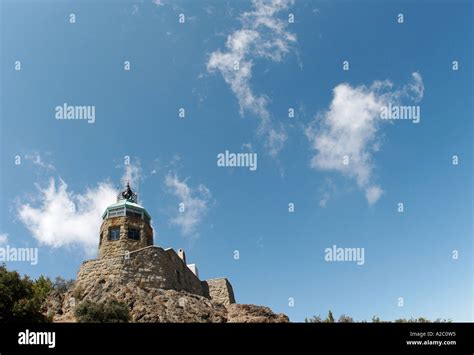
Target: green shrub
{"points": [[110, 311], [77, 293]]}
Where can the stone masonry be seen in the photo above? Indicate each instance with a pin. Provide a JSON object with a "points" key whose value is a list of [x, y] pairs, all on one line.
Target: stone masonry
{"points": [[127, 255], [119, 247], [219, 290]]}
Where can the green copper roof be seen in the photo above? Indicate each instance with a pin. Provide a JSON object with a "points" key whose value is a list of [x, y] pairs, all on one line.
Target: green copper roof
{"points": [[128, 205]]}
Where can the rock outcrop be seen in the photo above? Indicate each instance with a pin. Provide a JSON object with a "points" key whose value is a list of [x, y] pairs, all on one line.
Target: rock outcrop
{"points": [[157, 305], [156, 284]]}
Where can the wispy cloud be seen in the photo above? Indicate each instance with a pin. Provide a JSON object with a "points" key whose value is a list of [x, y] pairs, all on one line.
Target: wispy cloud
{"points": [[247, 146], [327, 189], [3, 238], [195, 201], [349, 129], [132, 174], [263, 35], [38, 161], [135, 9]]}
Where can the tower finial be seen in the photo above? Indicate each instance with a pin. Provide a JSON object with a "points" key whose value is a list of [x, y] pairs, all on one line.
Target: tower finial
{"points": [[127, 194]]}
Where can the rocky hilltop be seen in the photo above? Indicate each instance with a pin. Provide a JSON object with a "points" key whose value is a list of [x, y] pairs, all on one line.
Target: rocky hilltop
{"points": [[155, 284], [157, 305]]}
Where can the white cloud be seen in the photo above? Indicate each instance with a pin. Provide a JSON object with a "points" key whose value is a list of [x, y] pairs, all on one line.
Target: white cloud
{"points": [[158, 2], [324, 199], [135, 9], [372, 194], [132, 174], [3, 238], [64, 218], [327, 189], [36, 159], [196, 203], [350, 126], [247, 146], [416, 89], [263, 35]]}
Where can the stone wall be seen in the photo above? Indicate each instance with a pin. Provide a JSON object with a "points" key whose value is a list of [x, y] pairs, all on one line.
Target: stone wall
{"points": [[219, 290], [109, 248], [150, 267]]}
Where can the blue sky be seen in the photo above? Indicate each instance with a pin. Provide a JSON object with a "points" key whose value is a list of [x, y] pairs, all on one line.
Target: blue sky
{"points": [[282, 65]]}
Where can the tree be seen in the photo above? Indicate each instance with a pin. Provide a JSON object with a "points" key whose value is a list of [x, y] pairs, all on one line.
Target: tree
{"points": [[313, 319], [61, 285], [110, 311], [345, 319], [375, 319], [329, 318], [42, 287], [21, 298]]}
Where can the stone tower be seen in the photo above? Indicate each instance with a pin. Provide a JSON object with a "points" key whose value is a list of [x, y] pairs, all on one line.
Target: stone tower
{"points": [[126, 226], [127, 256]]}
